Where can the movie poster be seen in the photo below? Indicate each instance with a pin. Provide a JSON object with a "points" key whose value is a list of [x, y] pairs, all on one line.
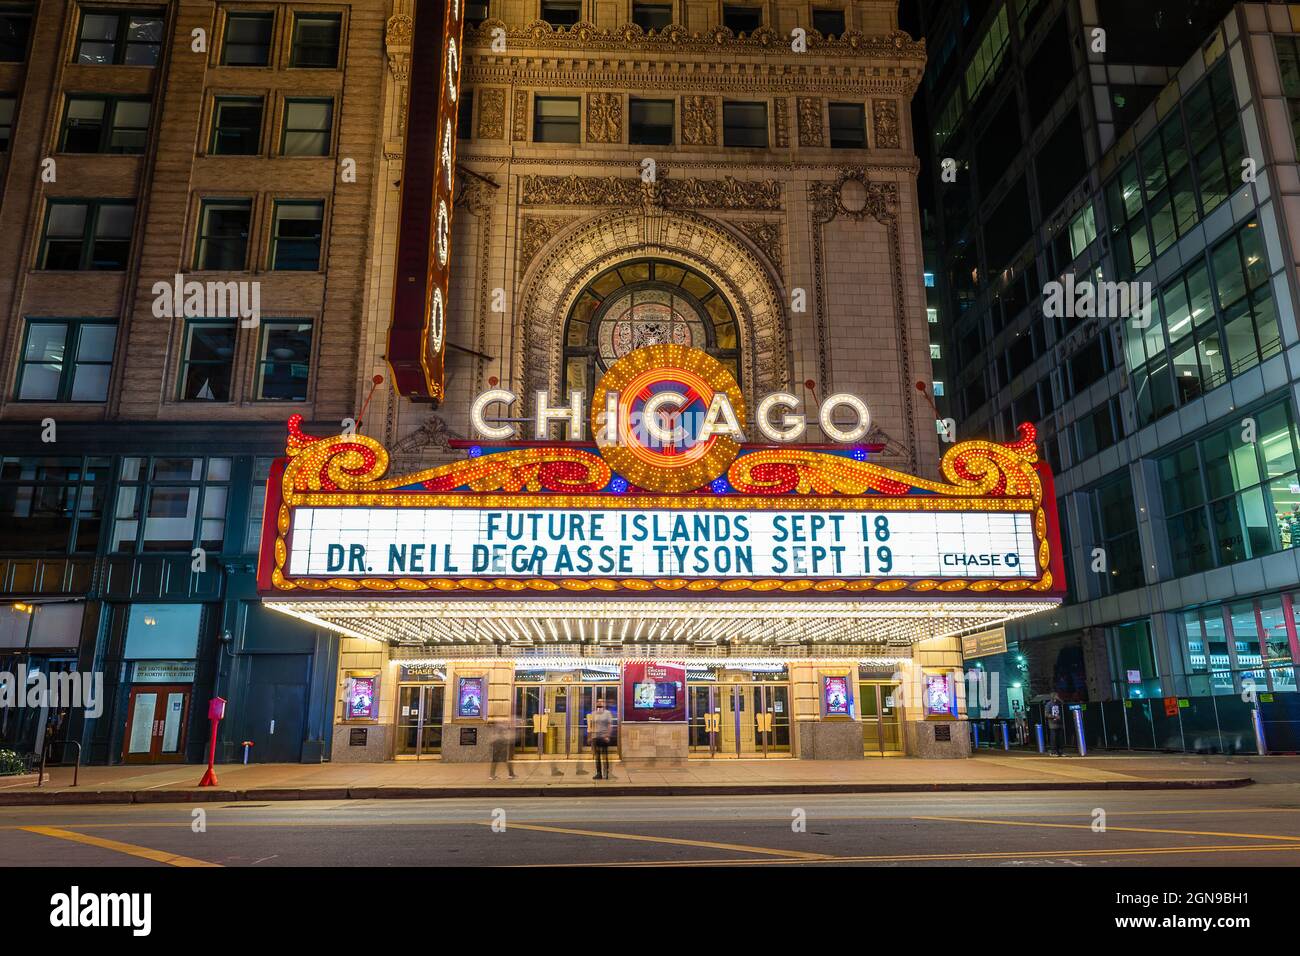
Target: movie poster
{"points": [[361, 698], [470, 692], [940, 695], [836, 700]]}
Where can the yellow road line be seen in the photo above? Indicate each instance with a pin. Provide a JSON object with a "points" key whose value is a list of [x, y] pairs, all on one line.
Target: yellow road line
{"points": [[823, 817], [940, 857], [1087, 826], [675, 841], [158, 856]]}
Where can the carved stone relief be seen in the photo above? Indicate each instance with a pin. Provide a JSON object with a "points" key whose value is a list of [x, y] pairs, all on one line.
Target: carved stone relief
{"points": [[699, 121], [604, 118], [884, 114], [810, 121], [491, 112]]}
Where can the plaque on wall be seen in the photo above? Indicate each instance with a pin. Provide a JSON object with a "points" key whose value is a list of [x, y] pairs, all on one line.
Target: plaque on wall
{"points": [[469, 736], [942, 732], [357, 736]]}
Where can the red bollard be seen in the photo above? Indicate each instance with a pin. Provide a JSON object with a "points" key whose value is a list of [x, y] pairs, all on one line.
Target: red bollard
{"points": [[216, 710]]}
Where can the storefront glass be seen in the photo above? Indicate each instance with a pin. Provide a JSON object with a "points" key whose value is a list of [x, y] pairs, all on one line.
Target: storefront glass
{"points": [[552, 707], [734, 712]]}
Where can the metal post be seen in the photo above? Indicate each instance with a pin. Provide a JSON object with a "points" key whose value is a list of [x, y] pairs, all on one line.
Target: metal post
{"points": [[1006, 737], [1078, 729], [1039, 729], [1257, 720], [975, 729]]}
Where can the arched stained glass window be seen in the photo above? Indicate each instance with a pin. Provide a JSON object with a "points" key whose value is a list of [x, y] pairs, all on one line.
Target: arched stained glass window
{"points": [[646, 302]]}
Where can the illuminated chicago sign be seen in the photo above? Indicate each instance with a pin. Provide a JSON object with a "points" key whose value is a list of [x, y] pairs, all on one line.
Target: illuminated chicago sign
{"points": [[417, 345], [672, 417], [678, 501]]}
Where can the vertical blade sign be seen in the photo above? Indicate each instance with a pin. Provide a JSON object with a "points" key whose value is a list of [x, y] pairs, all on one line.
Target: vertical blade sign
{"points": [[417, 331]]}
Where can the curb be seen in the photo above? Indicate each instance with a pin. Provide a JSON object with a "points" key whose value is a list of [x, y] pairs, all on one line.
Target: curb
{"points": [[30, 798]]}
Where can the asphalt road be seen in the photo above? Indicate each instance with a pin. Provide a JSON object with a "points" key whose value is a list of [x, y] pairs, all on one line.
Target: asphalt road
{"points": [[1254, 826]]}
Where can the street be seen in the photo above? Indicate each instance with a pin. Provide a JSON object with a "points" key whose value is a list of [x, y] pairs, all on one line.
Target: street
{"points": [[1258, 825]]}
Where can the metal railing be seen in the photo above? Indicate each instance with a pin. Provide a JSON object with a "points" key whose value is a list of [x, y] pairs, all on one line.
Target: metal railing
{"points": [[76, 767]]}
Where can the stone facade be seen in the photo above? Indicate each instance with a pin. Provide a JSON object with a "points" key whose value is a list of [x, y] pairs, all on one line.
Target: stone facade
{"points": [[816, 249]]}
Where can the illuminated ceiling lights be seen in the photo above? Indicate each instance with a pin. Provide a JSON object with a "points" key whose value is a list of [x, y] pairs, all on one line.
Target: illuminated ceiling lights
{"points": [[886, 622]]}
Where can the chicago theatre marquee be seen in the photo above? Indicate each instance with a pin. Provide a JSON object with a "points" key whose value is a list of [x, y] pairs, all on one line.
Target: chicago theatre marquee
{"points": [[654, 439]]}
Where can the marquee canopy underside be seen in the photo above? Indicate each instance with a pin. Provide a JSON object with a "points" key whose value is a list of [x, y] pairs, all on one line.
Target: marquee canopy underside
{"points": [[770, 623]]}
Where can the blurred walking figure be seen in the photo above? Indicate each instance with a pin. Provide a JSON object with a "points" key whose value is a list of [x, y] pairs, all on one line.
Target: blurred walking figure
{"points": [[602, 727], [501, 750], [1055, 711]]}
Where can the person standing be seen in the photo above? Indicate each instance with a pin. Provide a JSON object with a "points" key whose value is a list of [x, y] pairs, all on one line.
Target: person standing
{"points": [[501, 750], [602, 728], [1055, 711]]}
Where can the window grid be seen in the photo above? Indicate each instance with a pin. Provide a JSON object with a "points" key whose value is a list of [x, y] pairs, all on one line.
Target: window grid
{"points": [[119, 37], [105, 124], [52, 505], [66, 360], [86, 234], [174, 503]]}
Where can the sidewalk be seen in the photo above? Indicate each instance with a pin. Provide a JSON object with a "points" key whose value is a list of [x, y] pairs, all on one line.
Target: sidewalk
{"points": [[434, 779]]}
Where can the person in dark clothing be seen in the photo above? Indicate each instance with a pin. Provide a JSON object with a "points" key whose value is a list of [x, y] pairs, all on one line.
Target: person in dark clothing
{"points": [[1054, 711], [602, 728]]}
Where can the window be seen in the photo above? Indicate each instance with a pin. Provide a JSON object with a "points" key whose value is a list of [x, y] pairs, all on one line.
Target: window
{"points": [[1228, 500], [105, 124], [476, 11], [87, 234], [207, 361], [652, 16], [307, 127], [236, 126], [561, 13], [284, 361], [828, 22], [1288, 60], [52, 505], [932, 316], [223, 235], [171, 504], [66, 360], [316, 41], [296, 235], [1216, 320], [744, 124], [988, 55], [936, 350], [650, 122], [1116, 533], [1098, 430], [1083, 230], [848, 126], [741, 19], [7, 105], [248, 39], [556, 119], [1214, 137], [121, 37], [15, 27], [465, 115], [257, 504], [645, 302], [937, 386]]}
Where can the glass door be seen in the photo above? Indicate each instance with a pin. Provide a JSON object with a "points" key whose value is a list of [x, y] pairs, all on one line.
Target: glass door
{"points": [[702, 719], [528, 706], [580, 724], [155, 730], [773, 719], [881, 731], [419, 720]]}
